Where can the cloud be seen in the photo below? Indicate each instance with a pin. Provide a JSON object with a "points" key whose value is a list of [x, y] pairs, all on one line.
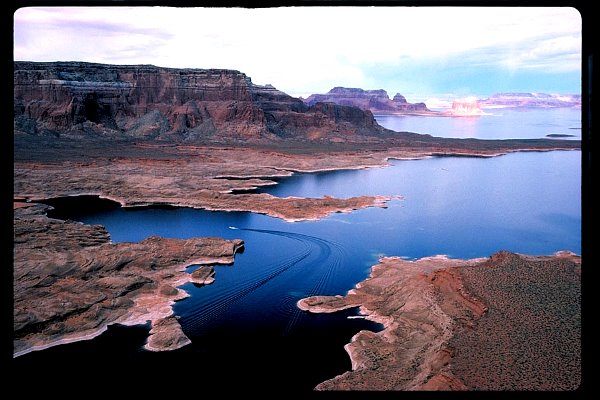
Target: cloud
{"points": [[308, 49], [559, 53], [73, 34]]}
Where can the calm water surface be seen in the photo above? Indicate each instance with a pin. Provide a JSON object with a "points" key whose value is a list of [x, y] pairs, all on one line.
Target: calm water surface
{"points": [[501, 123], [247, 323]]}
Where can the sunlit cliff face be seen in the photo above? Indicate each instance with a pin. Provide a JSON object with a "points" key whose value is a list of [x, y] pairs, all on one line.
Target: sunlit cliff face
{"points": [[466, 106]]}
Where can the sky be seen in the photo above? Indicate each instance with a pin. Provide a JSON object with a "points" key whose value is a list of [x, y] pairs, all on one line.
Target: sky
{"points": [[424, 53]]}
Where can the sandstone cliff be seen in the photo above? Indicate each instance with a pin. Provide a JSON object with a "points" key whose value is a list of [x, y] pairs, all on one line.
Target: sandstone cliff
{"points": [[376, 101], [468, 106], [148, 102]]}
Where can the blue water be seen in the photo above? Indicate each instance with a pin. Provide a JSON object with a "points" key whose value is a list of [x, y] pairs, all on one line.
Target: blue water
{"points": [[246, 324], [462, 207], [458, 206], [502, 123]]}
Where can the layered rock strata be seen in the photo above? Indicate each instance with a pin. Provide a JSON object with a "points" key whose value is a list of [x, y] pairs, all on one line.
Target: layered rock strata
{"points": [[76, 99], [376, 101]]}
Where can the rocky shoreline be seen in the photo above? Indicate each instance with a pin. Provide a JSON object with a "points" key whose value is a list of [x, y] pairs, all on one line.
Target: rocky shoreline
{"points": [[210, 177], [71, 282], [137, 174], [510, 322]]}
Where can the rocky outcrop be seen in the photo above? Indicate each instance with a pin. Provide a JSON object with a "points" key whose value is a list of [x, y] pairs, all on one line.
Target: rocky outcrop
{"points": [[165, 335], [466, 107], [531, 100], [376, 101], [204, 275], [510, 322], [77, 99], [412, 347], [70, 282]]}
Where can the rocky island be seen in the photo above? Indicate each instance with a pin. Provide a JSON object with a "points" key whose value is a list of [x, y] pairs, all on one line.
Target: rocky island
{"points": [[144, 135]]}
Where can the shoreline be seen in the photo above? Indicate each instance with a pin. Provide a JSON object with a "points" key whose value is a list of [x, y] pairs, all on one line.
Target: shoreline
{"points": [[112, 283], [203, 185], [445, 113], [134, 182], [433, 317], [320, 209]]}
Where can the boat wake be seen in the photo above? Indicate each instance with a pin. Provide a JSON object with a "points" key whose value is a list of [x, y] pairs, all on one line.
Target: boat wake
{"points": [[315, 264]]}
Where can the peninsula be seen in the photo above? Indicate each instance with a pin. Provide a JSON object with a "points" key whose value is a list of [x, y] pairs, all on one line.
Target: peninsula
{"points": [[449, 324]]}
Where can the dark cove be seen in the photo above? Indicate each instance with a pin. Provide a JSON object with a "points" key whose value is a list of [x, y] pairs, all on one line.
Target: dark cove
{"points": [[77, 207]]}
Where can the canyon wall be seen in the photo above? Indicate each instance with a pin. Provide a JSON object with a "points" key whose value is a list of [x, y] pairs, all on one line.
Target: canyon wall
{"points": [[144, 101]]}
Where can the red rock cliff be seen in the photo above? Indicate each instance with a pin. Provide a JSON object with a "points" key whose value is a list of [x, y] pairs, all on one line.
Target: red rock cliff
{"points": [[144, 101], [376, 101]]}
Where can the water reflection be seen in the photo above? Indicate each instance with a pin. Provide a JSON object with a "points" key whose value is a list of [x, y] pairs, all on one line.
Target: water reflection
{"points": [[499, 124]]}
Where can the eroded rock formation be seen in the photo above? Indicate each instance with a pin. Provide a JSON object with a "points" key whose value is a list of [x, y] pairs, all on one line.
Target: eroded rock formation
{"points": [[376, 101], [77, 99], [70, 282], [201, 178], [204, 275]]}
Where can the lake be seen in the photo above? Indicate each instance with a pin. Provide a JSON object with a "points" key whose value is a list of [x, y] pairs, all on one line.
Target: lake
{"points": [[500, 123], [247, 324]]}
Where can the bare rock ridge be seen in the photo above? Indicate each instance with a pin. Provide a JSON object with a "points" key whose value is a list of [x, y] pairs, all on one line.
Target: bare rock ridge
{"points": [[144, 101], [537, 100], [376, 101], [507, 322], [70, 282]]}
